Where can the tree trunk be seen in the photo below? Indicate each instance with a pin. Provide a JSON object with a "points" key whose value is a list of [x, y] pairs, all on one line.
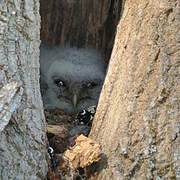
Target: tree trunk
{"points": [[137, 120], [22, 124]]}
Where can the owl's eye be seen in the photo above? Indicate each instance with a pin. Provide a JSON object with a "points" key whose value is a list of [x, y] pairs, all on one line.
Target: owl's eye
{"points": [[89, 85], [59, 83]]}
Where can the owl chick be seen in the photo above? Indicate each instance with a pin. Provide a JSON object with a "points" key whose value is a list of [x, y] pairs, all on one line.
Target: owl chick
{"points": [[71, 78]]}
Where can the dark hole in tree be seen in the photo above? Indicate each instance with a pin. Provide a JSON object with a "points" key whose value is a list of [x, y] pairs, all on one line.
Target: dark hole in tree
{"points": [[82, 24]]}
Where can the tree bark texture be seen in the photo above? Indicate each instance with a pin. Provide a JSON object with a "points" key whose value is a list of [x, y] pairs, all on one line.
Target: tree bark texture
{"points": [[138, 117], [22, 124], [84, 23]]}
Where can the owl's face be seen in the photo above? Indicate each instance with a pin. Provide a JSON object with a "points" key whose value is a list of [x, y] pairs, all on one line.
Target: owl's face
{"points": [[73, 85], [73, 96]]}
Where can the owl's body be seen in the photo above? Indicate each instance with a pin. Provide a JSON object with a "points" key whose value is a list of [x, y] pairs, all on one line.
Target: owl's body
{"points": [[71, 78]]}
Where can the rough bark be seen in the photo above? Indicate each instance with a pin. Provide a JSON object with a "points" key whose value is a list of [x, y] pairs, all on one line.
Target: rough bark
{"points": [[22, 125], [137, 121], [80, 23]]}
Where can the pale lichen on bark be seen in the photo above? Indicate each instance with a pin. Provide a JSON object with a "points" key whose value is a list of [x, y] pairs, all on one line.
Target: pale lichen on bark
{"points": [[10, 97]]}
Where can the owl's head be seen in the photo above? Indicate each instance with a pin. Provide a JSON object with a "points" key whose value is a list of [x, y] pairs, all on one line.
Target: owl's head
{"points": [[75, 78]]}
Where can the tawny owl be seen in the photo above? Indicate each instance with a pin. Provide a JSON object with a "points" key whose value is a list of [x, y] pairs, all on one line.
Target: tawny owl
{"points": [[71, 78]]}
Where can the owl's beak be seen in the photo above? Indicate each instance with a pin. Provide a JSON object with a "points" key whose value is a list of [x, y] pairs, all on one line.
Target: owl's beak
{"points": [[75, 100]]}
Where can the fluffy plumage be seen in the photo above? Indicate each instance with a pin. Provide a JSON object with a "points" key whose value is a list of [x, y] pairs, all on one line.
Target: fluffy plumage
{"points": [[71, 78]]}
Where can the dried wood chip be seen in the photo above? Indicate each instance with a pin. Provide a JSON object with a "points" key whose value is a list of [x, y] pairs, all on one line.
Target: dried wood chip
{"points": [[83, 153]]}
